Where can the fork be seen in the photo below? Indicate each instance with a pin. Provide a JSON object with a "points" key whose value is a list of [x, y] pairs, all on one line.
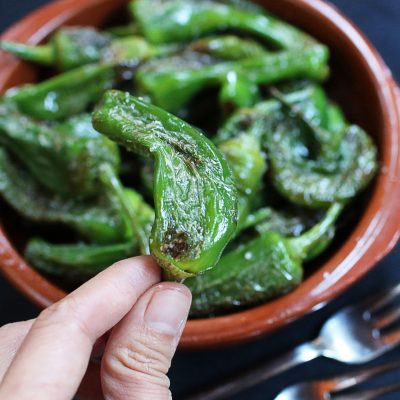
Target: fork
{"points": [[333, 388], [354, 335]]}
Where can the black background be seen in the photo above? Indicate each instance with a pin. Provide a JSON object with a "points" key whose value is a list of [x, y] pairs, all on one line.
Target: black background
{"points": [[380, 21]]}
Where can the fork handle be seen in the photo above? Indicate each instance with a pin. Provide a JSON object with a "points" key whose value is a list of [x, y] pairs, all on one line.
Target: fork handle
{"points": [[255, 375]]}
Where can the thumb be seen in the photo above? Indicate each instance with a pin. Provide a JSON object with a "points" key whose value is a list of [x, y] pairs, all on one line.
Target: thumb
{"points": [[139, 352]]}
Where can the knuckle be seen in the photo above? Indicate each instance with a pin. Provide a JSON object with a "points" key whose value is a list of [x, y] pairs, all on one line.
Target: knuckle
{"points": [[67, 312], [145, 360]]}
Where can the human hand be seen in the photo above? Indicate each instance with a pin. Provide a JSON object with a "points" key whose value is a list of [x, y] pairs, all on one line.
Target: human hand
{"points": [[47, 358]]}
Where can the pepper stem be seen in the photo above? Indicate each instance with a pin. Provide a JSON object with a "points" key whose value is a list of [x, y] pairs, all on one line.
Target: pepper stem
{"points": [[43, 54], [112, 182], [303, 244]]}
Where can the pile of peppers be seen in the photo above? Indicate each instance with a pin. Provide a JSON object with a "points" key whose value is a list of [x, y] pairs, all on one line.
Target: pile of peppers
{"points": [[199, 133]]}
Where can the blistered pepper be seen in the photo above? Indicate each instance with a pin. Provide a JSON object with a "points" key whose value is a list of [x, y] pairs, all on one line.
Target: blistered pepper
{"points": [[228, 47], [267, 266], [66, 94], [68, 48], [325, 178], [194, 194], [77, 262], [241, 143], [185, 75], [99, 219], [64, 157], [164, 21]]}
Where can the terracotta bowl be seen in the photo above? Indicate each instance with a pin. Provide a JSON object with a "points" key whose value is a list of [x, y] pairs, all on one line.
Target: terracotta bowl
{"points": [[369, 96]]}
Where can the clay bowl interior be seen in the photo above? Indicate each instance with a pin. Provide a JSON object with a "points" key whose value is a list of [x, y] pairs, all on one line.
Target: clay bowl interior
{"points": [[362, 85]]}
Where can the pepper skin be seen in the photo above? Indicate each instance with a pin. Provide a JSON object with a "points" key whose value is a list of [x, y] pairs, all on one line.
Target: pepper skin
{"points": [[73, 47], [228, 47], [186, 75], [325, 180], [242, 147], [194, 194], [100, 219], [66, 94], [256, 271], [237, 91], [64, 157], [163, 21], [77, 262], [68, 48]]}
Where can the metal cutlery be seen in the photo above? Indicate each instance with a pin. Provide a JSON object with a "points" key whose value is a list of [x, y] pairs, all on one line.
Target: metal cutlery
{"points": [[333, 388], [354, 335]]}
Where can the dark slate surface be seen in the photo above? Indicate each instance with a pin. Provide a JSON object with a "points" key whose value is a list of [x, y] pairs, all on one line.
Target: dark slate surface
{"points": [[379, 19]]}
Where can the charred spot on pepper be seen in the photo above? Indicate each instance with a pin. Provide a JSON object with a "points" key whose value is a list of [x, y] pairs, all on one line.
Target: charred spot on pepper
{"points": [[175, 244]]}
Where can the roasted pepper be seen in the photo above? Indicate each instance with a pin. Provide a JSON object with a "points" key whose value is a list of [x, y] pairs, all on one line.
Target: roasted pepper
{"points": [[163, 21], [65, 157], [68, 48], [267, 266], [194, 194], [319, 182], [77, 262], [228, 47], [72, 47], [187, 74], [241, 143], [66, 94], [100, 219]]}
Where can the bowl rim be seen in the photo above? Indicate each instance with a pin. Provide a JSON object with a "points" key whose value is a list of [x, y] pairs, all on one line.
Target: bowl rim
{"points": [[374, 236]]}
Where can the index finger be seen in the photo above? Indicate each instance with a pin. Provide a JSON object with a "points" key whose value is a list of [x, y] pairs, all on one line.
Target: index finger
{"points": [[53, 358]]}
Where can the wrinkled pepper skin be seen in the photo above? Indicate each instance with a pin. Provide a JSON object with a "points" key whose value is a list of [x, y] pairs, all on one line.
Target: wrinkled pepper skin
{"points": [[68, 48], [66, 94], [99, 220], [75, 261], [73, 47], [65, 157], [250, 274], [228, 47], [256, 271], [132, 206], [238, 91], [303, 182], [159, 78], [291, 222], [164, 21], [311, 111], [194, 194], [243, 150]]}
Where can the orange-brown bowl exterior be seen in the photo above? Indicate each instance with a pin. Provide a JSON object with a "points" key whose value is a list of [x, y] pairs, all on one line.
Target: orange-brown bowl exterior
{"points": [[371, 86]]}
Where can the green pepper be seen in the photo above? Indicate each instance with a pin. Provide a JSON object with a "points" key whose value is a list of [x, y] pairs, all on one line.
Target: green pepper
{"points": [[68, 48], [336, 121], [64, 157], [187, 74], [75, 261], [66, 94], [121, 31], [194, 195], [163, 21], [238, 91], [310, 105], [141, 220], [73, 47], [256, 271], [228, 47], [318, 182], [129, 51], [241, 144], [289, 221], [100, 219]]}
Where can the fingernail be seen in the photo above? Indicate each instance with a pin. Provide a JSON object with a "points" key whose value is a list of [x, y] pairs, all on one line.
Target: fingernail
{"points": [[168, 309]]}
